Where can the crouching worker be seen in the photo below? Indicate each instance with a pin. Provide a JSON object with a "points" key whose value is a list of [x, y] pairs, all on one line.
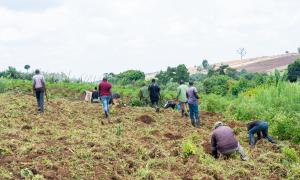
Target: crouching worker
{"points": [[258, 127], [223, 142], [95, 96], [170, 104]]}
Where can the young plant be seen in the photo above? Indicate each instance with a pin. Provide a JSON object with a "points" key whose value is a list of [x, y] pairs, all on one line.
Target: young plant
{"points": [[189, 148], [119, 130]]}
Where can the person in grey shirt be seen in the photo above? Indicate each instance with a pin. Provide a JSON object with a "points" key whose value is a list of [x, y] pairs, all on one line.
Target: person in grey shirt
{"points": [[39, 89], [192, 95]]}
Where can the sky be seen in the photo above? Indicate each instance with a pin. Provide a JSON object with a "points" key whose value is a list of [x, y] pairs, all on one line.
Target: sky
{"points": [[92, 37]]}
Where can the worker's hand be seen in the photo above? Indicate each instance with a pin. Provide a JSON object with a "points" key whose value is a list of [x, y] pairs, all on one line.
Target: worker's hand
{"points": [[33, 93]]}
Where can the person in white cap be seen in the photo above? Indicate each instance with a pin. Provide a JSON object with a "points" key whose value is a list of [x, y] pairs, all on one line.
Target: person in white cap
{"points": [[224, 142]]}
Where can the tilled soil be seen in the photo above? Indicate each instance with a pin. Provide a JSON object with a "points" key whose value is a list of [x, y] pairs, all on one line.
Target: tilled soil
{"points": [[73, 140]]}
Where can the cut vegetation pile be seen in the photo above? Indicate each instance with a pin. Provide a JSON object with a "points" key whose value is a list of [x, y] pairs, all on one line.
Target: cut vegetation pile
{"points": [[73, 141]]}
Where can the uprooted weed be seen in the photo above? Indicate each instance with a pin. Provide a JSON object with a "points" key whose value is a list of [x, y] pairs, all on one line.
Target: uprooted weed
{"points": [[72, 140]]}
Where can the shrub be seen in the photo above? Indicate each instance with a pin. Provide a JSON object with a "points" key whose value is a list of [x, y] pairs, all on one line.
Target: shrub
{"points": [[282, 127], [290, 154], [294, 71], [135, 102], [215, 103], [243, 109], [216, 85]]}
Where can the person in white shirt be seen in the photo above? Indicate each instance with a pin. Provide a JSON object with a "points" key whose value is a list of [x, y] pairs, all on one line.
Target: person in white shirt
{"points": [[39, 89]]}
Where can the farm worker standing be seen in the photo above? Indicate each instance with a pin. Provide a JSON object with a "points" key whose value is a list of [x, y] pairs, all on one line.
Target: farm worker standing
{"points": [[192, 95], [39, 89], [182, 98], [223, 142], [105, 94], [144, 94], [259, 127], [154, 91]]}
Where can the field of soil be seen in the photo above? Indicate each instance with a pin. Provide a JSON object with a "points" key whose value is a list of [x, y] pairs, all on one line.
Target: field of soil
{"points": [[263, 64], [72, 140]]}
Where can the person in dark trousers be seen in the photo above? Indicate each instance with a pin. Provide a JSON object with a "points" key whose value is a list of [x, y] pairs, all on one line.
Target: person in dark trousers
{"points": [[258, 127], [39, 90], [154, 93], [223, 142], [192, 95], [105, 94], [95, 96]]}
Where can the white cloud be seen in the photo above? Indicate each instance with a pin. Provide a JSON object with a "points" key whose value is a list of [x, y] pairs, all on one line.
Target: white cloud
{"points": [[147, 35]]}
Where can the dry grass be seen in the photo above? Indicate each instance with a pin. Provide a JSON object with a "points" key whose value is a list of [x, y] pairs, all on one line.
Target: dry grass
{"points": [[73, 141]]}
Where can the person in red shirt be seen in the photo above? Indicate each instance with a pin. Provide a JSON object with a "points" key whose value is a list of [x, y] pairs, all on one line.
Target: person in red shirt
{"points": [[105, 94]]}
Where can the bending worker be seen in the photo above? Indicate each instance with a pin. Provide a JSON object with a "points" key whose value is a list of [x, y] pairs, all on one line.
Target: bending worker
{"points": [[223, 142], [258, 127]]}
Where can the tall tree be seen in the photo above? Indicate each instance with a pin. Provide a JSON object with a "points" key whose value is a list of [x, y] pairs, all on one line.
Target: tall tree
{"points": [[205, 64], [242, 52], [182, 73], [27, 67], [222, 68], [129, 76], [294, 71]]}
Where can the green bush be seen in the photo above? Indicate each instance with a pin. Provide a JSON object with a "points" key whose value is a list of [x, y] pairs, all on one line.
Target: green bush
{"points": [[294, 71], [290, 154], [282, 127], [216, 85], [3, 86], [246, 110], [215, 103], [135, 102]]}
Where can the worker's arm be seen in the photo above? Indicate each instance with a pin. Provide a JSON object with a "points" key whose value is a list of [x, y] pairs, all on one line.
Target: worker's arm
{"points": [[110, 90], [158, 90], [259, 135], [178, 93], [99, 89], [33, 87], [214, 150], [45, 89], [196, 94], [140, 94]]}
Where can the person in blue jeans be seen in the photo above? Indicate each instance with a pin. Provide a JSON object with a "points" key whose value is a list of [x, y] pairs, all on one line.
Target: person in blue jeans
{"points": [[105, 94], [39, 89], [259, 128], [192, 95]]}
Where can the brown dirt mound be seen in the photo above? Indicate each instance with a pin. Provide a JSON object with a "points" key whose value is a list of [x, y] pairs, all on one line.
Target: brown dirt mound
{"points": [[26, 127], [146, 119], [172, 136], [206, 147]]}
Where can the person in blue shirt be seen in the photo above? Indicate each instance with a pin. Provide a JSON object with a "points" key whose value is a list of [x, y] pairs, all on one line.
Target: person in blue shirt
{"points": [[259, 128]]}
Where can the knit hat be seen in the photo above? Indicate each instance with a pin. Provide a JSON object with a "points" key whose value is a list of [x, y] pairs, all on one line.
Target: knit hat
{"points": [[218, 124]]}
